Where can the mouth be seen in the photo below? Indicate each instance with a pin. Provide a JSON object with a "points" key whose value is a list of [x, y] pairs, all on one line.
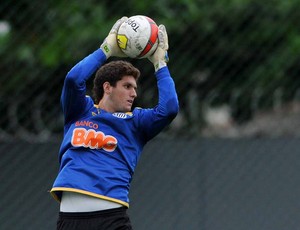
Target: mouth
{"points": [[130, 102]]}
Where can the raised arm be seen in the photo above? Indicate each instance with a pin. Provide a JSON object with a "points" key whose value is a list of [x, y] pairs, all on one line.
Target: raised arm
{"points": [[73, 98], [154, 120]]}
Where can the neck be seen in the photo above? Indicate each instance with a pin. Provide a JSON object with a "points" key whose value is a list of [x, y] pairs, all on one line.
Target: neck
{"points": [[103, 106]]}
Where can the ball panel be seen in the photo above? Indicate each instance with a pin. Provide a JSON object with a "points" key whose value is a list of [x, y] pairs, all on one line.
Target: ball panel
{"points": [[153, 40], [122, 41]]}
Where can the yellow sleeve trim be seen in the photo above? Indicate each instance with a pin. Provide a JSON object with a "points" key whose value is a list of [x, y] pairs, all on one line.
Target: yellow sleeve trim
{"points": [[61, 189]]}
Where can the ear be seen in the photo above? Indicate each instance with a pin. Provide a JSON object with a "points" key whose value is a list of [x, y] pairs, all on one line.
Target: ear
{"points": [[107, 87]]}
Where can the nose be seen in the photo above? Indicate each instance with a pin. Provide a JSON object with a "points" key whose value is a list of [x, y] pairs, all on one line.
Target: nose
{"points": [[134, 93]]}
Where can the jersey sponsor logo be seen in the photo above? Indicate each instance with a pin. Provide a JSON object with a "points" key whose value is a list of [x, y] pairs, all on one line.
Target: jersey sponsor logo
{"points": [[93, 139], [119, 115], [89, 124], [122, 115]]}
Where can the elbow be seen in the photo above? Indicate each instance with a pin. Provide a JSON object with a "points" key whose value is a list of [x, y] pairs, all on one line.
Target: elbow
{"points": [[173, 108], [72, 80]]}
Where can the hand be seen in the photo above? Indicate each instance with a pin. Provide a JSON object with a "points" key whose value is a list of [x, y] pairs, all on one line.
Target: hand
{"points": [[110, 45], [160, 56]]}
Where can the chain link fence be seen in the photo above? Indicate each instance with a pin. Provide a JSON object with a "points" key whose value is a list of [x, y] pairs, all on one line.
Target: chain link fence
{"points": [[178, 184], [233, 62], [236, 68]]}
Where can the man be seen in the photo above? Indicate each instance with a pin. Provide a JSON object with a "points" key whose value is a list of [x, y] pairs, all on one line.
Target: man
{"points": [[103, 141]]}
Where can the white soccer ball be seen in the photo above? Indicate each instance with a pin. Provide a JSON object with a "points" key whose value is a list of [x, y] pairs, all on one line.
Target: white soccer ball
{"points": [[138, 36]]}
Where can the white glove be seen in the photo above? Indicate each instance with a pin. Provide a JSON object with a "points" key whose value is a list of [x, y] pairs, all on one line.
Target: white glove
{"points": [[110, 45], [160, 56]]}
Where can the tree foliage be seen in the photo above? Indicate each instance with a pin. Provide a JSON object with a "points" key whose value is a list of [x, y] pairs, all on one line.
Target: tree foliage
{"points": [[215, 46]]}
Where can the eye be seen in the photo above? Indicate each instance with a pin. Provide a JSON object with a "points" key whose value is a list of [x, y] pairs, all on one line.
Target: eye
{"points": [[129, 86]]}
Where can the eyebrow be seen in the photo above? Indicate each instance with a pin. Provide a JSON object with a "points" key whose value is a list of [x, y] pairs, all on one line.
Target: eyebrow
{"points": [[130, 84]]}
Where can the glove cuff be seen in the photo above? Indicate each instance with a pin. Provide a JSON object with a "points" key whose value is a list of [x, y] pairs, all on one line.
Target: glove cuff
{"points": [[160, 64], [106, 49]]}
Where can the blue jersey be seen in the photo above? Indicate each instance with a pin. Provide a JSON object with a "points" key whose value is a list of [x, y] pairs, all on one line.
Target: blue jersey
{"points": [[100, 150]]}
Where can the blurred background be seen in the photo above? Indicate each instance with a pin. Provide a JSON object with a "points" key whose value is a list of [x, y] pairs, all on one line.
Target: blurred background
{"points": [[228, 161]]}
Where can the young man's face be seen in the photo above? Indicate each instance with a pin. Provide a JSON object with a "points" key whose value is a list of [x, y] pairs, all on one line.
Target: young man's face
{"points": [[121, 96]]}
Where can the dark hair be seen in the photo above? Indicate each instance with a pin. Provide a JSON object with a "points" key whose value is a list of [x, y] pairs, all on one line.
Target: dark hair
{"points": [[112, 72]]}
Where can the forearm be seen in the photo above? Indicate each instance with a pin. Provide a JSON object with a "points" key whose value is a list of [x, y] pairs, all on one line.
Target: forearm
{"points": [[74, 89], [167, 97], [83, 70]]}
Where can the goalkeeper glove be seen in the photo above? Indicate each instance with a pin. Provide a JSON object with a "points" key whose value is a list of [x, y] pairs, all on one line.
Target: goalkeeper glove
{"points": [[110, 45], [160, 57]]}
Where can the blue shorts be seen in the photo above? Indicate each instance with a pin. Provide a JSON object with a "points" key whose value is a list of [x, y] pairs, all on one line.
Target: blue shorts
{"points": [[110, 219]]}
